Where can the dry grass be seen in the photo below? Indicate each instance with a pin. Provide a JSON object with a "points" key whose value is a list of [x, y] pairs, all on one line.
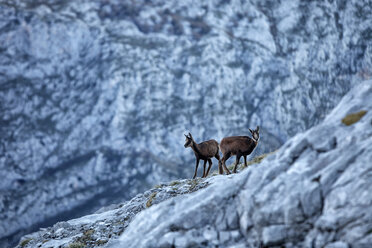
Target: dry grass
{"points": [[241, 166], [25, 242], [76, 245], [259, 159], [193, 183], [151, 198], [174, 183], [101, 242], [350, 119]]}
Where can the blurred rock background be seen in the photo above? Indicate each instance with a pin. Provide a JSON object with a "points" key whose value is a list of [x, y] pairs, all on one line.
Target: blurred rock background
{"points": [[95, 95]]}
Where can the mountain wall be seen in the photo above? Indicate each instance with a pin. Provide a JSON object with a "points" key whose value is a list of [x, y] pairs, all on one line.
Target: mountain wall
{"points": [[95, 95]]}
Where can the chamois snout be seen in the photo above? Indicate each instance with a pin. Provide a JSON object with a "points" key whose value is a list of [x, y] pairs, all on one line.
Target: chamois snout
{"points": [[187, 141], [255, 133]]}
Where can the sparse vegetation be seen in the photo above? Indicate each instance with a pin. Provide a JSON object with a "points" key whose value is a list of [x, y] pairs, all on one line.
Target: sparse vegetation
{"points": [[174, 183], [259, 159], [255, 160], [101, 242], [120, 222], [88, 232], [85, 239], [193, 183], [352, 118], [76, 245], [25, 242], [151, 198]]}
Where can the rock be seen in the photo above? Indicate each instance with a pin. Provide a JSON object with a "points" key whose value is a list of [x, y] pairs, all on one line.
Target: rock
{"points": [[181, 241], [235, 235], [338, 244], [274, 235], [224, 236], [210, 234], [312, 199], [333, 204], [109, 222], [95, 95]]}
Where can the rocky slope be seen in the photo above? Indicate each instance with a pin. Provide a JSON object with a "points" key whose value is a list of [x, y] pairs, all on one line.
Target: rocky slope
{"points": [[109, 222], [313, 192], [95, 95]]}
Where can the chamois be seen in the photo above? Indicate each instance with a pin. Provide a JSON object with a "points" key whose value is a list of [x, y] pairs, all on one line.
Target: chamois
{"points": [[239, 146], [204, 150]]}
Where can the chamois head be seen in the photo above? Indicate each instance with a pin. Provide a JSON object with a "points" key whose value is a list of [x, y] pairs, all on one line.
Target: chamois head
{"points": [[189, 140], [255, 133]]}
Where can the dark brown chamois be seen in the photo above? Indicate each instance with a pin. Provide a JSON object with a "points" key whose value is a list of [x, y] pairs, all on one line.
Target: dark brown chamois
{"points": [[205, 151], [239, 146]]}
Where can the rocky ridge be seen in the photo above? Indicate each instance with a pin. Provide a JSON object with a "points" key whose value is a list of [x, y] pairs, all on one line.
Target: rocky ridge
{"points": [[88, 87], [313, 192], [108, 222]]}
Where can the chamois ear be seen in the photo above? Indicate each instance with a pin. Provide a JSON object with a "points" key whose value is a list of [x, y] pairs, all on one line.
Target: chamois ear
{"points": [[190, 136], [258, 128], [250, 130], [185, 135]]}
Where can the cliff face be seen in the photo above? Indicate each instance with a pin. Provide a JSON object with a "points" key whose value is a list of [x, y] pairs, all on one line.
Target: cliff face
{"points": [[313, 192], [95, 95]]}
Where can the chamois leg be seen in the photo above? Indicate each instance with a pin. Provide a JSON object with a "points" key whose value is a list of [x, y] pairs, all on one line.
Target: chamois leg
{"points": [[245, 161], [220, 170], [209, 167], [217, 156], [196, 168], [205, 163], [223, 160], [236, 162]]}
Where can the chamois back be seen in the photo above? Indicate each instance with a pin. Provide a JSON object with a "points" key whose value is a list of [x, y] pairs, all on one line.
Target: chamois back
{"points": [[241, 146], [237, 144]]}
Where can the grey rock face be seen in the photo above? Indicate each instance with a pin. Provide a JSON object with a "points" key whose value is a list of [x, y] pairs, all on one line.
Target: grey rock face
{"points": [[95, 95], [301, 196]]}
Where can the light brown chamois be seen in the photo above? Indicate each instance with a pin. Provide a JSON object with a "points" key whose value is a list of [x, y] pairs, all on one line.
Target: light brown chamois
{"points": [[205, 151], [239, 146]]}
